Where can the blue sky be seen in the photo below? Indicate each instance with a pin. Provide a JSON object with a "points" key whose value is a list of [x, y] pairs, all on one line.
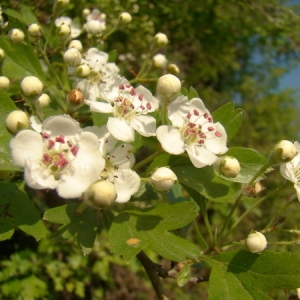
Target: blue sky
{"points": [[291, 79]]}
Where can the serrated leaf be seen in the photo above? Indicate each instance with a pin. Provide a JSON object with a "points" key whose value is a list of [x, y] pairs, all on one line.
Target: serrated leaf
{"points": [[17, 211], [204, 181], [229, 117], [20, 61], [244, 275], [250, 160], [82, 226], [131, 231], [6, 106]]}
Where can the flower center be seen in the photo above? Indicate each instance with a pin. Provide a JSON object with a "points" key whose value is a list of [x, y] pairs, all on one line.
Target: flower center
{"points": [[95, 77], [198, 128], [129, 103], [58, 153]]}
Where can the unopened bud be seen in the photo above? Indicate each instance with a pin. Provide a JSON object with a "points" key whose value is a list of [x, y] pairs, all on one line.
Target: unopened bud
{"points": [[228, 166], [4, 83], [285, 151], [31, 86], [17, 120], [161, 39], [61, 4], [72, 57], [86, 12], [256, 242], [94, 27], [42, 101], [101, 194], [35, 31], [83, 71], [163, 179], [125, 18], [63, 31], [75, 44], [75, 97], [168, 86], [252, 191], [16, 35], [173, 69], [2, 54], [159, 60]]}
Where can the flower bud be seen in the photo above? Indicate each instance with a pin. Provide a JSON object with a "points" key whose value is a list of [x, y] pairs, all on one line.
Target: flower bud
{"points": [[163, 179], [16, 35], [101, 194], [72, 57], [75, 97], [159, 60], [83, 71], [173, 69], [75, 44], [285, 151], [17, 120], [256, 242], [31, 86], [63, 31], [86, 12], [125, 18], [35, 31], [4, 83], [42, 101], [94, 27], [2, 54], [168, 86], [228, 166], [61, 4], [161, 39]]}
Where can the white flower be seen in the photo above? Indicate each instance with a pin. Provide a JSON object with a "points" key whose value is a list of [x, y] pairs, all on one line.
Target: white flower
{"points": [[193, 131], [291, 170], [101, 72], [118, 162], [64, 20], [129, 107], [60, 156]]}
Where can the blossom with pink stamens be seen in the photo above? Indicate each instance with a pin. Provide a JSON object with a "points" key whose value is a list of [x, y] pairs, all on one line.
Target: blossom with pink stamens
{"points": [[59, 156], [193, 131]]}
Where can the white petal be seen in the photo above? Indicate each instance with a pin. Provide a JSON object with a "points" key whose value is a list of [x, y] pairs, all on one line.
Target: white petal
{"points": [[99, 106], [170, 139], [122, 156], [197, 103], [287, 171], [27, 144], [36, 123], [120, 129], [127, 184], [178, 110], [148, 97], [144, 125], [199, 156], [61, 125], [37, 176], [217, 144]]}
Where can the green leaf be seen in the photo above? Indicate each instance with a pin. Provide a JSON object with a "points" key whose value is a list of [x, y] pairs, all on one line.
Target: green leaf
{"points": [[193, 93], [184, 275], [204, 181], [6, 106], [229, 117], [132, 231], [83, 226], [17, 211], [20, 60], [250, 160], [244, 275]]}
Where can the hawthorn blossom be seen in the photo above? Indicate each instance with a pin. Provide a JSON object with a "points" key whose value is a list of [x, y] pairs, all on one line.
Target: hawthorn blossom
{"points": [[95, 22], [59, 155], [129, 107], [101, 72], [65, 20], [192, 131], [291, 170], [119, 160]]}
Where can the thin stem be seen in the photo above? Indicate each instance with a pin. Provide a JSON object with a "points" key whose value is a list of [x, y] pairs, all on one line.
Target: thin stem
{"points": [[206, 220], [199, 236], [151, 270], [146, 160]]}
